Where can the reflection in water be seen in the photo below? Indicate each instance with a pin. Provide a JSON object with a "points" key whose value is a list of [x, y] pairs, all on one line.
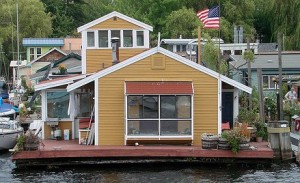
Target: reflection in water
{"points": [[153, 172]]}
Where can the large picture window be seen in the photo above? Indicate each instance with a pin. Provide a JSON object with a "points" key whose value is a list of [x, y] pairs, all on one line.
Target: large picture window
{"points": [[159, 115], [57, 104]]}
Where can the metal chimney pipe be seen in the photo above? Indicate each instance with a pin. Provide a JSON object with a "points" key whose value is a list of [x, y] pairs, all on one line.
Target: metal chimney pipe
{"points": [[115, 50]]}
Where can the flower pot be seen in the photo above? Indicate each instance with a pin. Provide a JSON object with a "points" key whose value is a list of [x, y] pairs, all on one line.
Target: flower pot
{"points": [[259, 139], [31, 147]]}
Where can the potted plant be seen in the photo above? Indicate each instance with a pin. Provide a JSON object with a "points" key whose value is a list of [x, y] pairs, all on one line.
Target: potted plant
{"points": [[22, 112], [259, 135], [62, 68], [32, 141]]}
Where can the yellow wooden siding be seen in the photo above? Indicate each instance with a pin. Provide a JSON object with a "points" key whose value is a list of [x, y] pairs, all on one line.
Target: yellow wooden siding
{"points": [[62, 125], [99, 58], [115, 24], [111, 98]]}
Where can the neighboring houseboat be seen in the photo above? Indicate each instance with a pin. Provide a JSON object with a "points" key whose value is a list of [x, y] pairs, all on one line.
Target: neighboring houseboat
{"points": [[133, 94]]}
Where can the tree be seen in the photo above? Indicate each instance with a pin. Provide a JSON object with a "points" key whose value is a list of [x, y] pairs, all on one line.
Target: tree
{"points": [[33, 22], [181, 22]]}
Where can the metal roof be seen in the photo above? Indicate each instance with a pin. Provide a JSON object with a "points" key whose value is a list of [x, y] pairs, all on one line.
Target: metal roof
{"points": [[43, 41], [289, 61]]}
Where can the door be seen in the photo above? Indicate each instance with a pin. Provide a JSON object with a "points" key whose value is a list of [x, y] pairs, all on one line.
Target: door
{"points": [[227, 108]]}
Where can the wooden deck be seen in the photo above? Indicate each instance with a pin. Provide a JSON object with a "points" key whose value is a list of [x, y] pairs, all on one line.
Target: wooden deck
{"points": [[71, 153]]}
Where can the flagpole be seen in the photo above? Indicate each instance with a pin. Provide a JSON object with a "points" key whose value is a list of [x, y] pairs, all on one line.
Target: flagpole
{"points": [[219, 80], [199, 45]]}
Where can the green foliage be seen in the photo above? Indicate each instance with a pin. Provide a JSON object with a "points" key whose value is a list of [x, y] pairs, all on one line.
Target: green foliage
{"points": [[248, 56], [234, 137], [182, 22], [24, 83], [247, 116]]}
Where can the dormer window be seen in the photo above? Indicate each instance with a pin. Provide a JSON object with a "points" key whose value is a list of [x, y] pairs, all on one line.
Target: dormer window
{"points": [[140, 38], [103, 38], [90, 39], [128, 38]]}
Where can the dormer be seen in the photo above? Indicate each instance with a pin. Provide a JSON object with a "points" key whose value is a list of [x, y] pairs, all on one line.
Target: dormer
{"points": [[97, 35]]}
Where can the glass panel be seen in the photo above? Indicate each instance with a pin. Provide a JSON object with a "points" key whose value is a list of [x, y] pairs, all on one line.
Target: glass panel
{"points": [[272, 84], [150, 107], [265, 82], [85, 104], [135, 107], [183, 47], [183, 106], [57, 104], [38, 52], [127, 36], [177, 48], [140, 38], [90, 39], [169, 128], [103, 38], [167, 108], [116, 33], [143, 128], [31, 50]]}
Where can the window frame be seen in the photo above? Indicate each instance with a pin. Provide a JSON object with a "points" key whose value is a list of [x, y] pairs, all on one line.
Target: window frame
{"points": [[134, 34], [46, 106], [159, 118], [31, 55], [269, 87]]}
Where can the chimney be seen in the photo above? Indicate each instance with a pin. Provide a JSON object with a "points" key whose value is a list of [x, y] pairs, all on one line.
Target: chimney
{"points": [[115, 50], [241, 34], [235, 34]]}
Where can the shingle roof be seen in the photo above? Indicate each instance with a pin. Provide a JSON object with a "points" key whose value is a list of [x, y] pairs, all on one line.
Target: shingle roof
{"points": [[268, 61], [43, 41]]}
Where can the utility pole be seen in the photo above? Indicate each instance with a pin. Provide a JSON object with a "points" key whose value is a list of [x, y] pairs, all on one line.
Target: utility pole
{"points": [[249, 73], [18, 49], [279, 37]]}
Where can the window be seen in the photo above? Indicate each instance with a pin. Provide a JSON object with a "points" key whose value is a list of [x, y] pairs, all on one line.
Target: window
{"points": [[116, 33], [38, 52], [127, 36], [57, 104], [140, 38], [159, 115], [90, 39], [268, 82], [103, 38], [31, 54], [85, 104], [237, 52]]}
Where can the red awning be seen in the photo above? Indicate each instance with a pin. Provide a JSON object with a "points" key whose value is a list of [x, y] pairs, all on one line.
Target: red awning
{"points": [[169, 87]]}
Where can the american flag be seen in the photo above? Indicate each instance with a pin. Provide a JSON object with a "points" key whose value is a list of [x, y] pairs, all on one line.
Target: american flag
{"points": [[210, 17]]}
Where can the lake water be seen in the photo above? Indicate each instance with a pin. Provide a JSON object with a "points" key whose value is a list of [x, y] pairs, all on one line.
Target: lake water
{"points": [[158, 173]]}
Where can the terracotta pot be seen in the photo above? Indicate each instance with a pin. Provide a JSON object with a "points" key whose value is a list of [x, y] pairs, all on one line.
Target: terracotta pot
{"points": [[259, 139]]}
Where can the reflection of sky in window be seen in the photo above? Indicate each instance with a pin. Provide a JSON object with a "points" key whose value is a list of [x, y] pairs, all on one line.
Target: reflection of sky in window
{"points": [[61, 96]]}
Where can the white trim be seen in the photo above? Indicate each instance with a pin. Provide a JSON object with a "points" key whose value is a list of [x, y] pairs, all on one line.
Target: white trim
{"points": [[114, 14], [43, 110], [36, 59], [235, 104], [126, 116], [167, 53], [96, 103], [59, 82], [219, 105], [72, 97], [83, 52]]}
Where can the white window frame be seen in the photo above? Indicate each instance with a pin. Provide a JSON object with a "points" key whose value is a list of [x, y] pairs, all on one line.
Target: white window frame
{"points": [[269, 82], [159, 119], [31, 54], [38, 55], [134, 38]]}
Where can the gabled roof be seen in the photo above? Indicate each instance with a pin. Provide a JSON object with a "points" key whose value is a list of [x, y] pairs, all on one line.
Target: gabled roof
{"points": [[114, 14], [57, 82], [57, 62], [14, 63], [289, 61], [51, 50], [43, 42], [150, 52]]}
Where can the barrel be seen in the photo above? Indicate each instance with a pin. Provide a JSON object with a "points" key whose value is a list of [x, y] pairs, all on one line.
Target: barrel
{"points": [[209, 141], [280, 140]]}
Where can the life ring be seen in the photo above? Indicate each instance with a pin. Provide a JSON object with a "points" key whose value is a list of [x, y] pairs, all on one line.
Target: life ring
{"points": [[297, 125]]}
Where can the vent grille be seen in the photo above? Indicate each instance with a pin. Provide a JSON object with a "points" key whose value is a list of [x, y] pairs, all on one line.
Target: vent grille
{"points": [[158, 62]]}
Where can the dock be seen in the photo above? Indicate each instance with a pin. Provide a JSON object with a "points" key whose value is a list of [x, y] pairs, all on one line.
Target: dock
{"points": [[69, 152]]}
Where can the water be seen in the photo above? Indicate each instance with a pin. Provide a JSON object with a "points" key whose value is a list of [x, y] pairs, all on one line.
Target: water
{"points": [[147, 173]]}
